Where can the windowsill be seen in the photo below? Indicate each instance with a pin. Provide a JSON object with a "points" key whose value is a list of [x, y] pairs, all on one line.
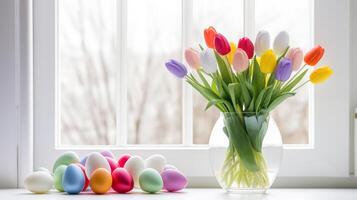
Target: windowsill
{"points": [[189, 194]]}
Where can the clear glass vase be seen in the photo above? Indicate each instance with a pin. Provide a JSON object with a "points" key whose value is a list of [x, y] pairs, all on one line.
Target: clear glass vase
{"points": [[245, 152]]}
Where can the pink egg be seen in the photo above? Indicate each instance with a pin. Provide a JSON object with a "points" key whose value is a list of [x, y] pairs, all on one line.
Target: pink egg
{"points": [[173, 180], [122, 181], [122, 159], [112, 163], [86, 182]]}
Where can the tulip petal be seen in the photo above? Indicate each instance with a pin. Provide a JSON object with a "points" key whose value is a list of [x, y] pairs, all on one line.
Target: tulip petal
{"points": [[281, 42], [320, 75], [192, 58], [176, 68], [240, 60], [208, 61], [262, 42]]}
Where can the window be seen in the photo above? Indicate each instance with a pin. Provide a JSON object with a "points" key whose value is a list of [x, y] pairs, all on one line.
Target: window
{"points": [[153, 111], [95, 88]]}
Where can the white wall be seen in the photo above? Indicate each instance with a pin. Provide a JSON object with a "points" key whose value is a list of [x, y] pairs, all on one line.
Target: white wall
{"points": [[8, 85]]}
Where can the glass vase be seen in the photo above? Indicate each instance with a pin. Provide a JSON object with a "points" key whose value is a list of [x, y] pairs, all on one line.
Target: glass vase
{"points": [[245, 152]]}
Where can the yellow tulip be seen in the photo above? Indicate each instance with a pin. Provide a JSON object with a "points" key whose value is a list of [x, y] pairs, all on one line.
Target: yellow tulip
{"points": [[268, 61], [320, 75], [230, 55]]}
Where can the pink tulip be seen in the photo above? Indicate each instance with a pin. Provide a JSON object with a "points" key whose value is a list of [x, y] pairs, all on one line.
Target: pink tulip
{"points": [[240, 60], [296, 56], [192, 58]]}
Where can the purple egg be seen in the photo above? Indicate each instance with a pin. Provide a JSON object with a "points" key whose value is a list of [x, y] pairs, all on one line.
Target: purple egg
{"points": [[83, 161], [173, 180], [107, 153]]}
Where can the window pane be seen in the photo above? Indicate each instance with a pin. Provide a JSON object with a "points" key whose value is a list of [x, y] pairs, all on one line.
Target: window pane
{"points": [[294, 17], [86, 35], [213, 13], [154, 96]]}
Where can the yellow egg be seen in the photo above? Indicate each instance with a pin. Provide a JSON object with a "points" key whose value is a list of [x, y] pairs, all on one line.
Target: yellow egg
{"points": [[100, 181]]}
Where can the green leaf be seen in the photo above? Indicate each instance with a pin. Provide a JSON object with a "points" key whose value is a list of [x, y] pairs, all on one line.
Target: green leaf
{"points": [[238, 137], [269, 94], [203, 79], [223, 69], [258, 77], [279, 100], [245, 92], [256, 126], [260, 98], [291, 84], [213, 102], [234, 91]]}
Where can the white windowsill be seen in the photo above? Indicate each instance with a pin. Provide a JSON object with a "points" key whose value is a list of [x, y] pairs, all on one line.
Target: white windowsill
{"points": [[191, 194]]}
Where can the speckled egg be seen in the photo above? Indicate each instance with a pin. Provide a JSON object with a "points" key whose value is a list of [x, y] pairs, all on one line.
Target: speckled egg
{"points": [[58, 175], [122, 159], [86, 182], [107, 153], [134, 166], [73, 179], [100, 181], [112, 163], [156, 162], [173, 180], [66, 159], [39, 182], [150, 180], [94, 161], [122, 181]]}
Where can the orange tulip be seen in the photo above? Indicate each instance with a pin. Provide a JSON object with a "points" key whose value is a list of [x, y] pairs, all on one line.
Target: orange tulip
{"points": [[314, 55], [209, 34]]}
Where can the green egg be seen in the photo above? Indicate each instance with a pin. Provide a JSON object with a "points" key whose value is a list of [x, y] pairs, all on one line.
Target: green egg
{"points": [[66, 159], [150, 180], [58, 177]]}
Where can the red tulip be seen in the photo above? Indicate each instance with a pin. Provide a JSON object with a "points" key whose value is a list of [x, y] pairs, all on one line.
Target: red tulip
{"points": [[209, 34], [247, 45], [221, 44], [314, 55]]}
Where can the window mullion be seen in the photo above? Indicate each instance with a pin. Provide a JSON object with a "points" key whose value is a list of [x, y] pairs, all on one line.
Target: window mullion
{"points": [[121, 89], [249, 18], [187, 108]]}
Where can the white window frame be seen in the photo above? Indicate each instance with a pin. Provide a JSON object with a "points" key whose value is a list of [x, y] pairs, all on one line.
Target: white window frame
{"points": [[331, 111]]}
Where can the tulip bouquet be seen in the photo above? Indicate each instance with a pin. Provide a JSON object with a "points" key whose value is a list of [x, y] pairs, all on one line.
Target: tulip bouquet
{"points": [[246, 81]]}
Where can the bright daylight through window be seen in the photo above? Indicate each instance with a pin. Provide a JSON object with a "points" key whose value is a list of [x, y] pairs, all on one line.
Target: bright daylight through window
{"points": [[88, 68]]}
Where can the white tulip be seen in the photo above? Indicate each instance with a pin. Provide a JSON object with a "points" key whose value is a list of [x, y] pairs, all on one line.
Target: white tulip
{"points": [[281, 42], [262, 42], [208, 61]]}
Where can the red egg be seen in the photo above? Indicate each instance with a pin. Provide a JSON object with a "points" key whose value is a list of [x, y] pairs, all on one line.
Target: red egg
{"points": [[122, 160], [122, 181], [86, 182], [112, 163]]}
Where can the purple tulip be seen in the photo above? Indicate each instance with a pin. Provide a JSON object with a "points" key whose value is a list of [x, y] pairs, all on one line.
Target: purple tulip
{"points": [[176, 68], [283, 70]]}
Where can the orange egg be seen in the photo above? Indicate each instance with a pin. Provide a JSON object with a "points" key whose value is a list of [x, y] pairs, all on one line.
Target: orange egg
{"points": [[100, 181]]}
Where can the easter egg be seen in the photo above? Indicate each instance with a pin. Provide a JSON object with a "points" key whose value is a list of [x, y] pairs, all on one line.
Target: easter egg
{"points": [[39, 182], [86, 180], [100, 181], [122, 181], [107, 153], [122, 159], [173, 180], [134, 166], [83, 161], [58, 175], [156, 161], [73, 179], [150, 180], [66, 159], [43, 169], [112, 163], [169, 167], [94, 161]]}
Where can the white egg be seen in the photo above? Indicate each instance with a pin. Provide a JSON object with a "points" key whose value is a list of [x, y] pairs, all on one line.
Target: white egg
{"points": [[134, 166], [94, 161], [39, 182], [156, 162], [43, 169], [168, 166]]}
